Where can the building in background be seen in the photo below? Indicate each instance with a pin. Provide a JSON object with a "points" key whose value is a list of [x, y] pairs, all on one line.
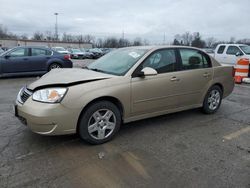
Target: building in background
{"points": [[10, 43]]}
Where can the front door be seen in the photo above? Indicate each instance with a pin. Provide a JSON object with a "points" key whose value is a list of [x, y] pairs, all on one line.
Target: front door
{"points": [[16, 61], [159, 92], [230, 57]]}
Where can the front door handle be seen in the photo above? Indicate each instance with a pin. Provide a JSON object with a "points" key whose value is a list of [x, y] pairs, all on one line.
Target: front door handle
{"points": [[174, 79], [25, 58], [206, 74]]}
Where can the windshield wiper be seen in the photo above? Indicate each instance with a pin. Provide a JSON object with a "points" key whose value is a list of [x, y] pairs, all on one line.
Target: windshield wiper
{"points": [[97, 70]]}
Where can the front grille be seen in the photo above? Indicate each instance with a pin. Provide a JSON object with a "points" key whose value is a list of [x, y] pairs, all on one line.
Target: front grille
{"points": [[25, 94]]}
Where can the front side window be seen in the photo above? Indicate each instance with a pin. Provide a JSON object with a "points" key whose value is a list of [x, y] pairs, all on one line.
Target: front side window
{"points": [[118, 62], [162, 61], [19, 52], [233, 50], [194, 59], [221, 49]]}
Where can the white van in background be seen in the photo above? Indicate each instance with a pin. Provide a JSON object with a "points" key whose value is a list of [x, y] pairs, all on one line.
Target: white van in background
{"points": [[228, 54]]}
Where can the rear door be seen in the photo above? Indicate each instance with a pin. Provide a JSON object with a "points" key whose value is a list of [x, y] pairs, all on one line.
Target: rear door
{"points": [[39, 58], [16, 61], [195, 76]]}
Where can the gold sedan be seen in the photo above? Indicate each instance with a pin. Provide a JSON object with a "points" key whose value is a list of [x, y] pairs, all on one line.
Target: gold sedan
{"points": [[125, 85]]}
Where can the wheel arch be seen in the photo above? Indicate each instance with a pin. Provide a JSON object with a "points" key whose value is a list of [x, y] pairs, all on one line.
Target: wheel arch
{"points": [[113, 100], [54, 60], [220, 85]]}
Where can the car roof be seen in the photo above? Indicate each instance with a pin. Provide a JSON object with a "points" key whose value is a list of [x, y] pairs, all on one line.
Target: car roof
{"points": [[161, 47], [45, 47], [233, 44]]}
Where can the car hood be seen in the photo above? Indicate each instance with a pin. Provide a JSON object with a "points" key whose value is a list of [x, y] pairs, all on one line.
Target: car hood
{"points": [[67, 77]]}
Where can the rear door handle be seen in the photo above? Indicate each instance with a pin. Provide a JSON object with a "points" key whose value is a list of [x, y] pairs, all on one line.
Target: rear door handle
{"points": [[174, 79], [25, 58], [206, 74]]}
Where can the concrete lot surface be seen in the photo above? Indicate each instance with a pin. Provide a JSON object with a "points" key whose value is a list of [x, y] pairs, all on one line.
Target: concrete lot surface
{"points": [[186, 149]]}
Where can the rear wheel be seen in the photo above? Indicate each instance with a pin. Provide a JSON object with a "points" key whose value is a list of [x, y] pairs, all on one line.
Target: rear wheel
{"points": [[100, 122], [55, 66], [212, 100]]}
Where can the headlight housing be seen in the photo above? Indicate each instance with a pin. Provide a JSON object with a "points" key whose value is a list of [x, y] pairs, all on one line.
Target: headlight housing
{"points": [[49, 95]]}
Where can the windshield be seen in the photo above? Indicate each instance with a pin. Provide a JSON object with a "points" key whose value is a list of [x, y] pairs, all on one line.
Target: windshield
{"points": [[5, 52], [118, 62], [246, 49]]}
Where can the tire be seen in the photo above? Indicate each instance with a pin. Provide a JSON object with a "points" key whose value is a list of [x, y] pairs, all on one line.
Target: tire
{"points": [[54, 66], [212, 100], [94, 127]]}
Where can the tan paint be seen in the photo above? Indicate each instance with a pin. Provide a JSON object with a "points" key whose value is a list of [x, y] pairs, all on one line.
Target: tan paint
{"points": [[140, 97]]}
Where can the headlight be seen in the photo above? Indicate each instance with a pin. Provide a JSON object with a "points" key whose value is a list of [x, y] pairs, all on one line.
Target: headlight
{"points": [[50, 95]]}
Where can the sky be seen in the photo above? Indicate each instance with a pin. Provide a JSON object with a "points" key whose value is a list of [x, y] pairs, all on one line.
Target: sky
{"points": [[148, 19]]}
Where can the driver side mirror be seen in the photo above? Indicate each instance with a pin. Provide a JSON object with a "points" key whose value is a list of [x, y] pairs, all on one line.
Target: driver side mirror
{"points": [[238, 54], [148, 71]]}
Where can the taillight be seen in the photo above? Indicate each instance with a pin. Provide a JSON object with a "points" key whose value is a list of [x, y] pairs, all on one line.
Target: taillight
{"points": [[67, 57]]}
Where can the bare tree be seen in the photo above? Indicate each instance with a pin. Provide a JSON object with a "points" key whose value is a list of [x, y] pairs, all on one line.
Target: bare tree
{"points": [[88, 38], [137, 42], [210, 42], [198, 42], [24, 37], [232, 40], [48, 35], [187, 38], [38, 36]]}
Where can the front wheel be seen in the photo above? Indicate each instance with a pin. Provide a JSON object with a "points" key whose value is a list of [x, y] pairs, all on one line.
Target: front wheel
{"points": [[212, 100], [99, 122]]}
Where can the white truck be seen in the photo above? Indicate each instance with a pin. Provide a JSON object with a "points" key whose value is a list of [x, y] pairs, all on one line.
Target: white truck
{"points": [[228, 54]]}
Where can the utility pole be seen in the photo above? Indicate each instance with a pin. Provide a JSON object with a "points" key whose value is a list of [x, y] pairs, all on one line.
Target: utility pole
{"points": [[56, 27]]}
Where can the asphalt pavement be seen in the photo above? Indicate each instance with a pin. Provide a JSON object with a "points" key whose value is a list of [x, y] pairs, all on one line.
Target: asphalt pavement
{"points": [[185, 149]]}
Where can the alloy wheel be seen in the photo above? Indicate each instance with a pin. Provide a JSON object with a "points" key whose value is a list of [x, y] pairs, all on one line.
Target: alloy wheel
{"points": [[101, 124]]}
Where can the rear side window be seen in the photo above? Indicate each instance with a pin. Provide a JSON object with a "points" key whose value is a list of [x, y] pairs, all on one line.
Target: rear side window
{"points": [[233, 50], [194, 59], [221, 50], [40, 52]]}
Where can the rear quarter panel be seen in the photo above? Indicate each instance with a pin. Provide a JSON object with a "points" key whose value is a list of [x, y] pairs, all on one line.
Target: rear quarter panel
{"points": [[224, 75]]}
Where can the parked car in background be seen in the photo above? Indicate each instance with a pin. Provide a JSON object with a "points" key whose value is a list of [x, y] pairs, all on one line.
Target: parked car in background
{"points": [[97, 52], [31, 60], [76, 53], [209, 51], [106, 50], [61, 50], [125, 85], [228, 54], [87, 54]]}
